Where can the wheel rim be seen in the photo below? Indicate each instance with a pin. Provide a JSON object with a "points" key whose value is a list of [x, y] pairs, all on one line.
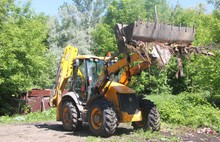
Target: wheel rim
{"points": [[96, 118], [66, 117]]}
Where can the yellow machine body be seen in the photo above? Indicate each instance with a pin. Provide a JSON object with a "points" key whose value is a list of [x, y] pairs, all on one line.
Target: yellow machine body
{"points": [[113, 95]]}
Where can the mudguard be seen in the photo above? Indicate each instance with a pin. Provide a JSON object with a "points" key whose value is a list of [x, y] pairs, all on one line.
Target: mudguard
{"points": [[74, 97]]}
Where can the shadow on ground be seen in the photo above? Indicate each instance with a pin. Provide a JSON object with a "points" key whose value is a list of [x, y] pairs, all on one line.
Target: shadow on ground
{"points": [[83, 132]]}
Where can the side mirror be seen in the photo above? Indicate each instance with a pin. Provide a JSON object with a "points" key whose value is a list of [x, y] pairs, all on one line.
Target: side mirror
{"points": [[76, 63]]}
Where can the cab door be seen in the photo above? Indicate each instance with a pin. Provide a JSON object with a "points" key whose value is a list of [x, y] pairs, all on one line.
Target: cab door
{"points": [[79, 79]]}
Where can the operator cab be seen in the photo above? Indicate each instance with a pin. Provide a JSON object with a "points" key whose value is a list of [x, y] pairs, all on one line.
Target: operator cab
{"points": [[85, 75]]}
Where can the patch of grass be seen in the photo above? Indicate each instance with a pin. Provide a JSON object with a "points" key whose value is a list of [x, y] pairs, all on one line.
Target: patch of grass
{"points": [[187, 109], [31, 117]]}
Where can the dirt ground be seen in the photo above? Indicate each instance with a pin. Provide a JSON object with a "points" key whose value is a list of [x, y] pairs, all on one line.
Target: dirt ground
{"points": [[37, 132], [53, 132]]}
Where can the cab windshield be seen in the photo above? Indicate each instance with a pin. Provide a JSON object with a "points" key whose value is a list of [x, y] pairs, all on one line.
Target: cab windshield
{"points": [[94, 68]]}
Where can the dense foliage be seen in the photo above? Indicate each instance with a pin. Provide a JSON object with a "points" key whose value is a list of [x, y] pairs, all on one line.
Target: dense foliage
{"points": [[188, 109], [25, 63], [74, 24]]}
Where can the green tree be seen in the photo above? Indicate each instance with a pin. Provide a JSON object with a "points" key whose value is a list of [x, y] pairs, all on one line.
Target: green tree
{"points": [[216, 21], [205, 77], [67, 29], [25, 63], [207, 30], [163, 10], [92, 9], [104, 40], [183, 17], [152, 81], [216, 3], [74, 24], [118, 12]]}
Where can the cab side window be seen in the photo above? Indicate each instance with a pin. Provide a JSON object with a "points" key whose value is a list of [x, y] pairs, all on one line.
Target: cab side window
{"points": [[79, 80]]}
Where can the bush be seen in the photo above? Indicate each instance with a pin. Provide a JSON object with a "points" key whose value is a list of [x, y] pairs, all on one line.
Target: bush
{"points": [[188, 109], [151, 81]]}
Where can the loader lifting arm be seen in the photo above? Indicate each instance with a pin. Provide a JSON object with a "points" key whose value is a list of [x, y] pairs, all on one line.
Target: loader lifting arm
{"points": [[113, 69], [65, 70], [131, 71]]}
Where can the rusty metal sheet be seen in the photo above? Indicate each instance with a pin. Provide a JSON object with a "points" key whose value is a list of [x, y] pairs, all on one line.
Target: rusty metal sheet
{"points": [[38, 92], [45, 103], [38, 104], [34, 103], [37, 99]]}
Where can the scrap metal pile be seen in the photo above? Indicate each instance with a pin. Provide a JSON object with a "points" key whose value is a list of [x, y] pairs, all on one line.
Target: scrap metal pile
{"points": [[156, 42]]}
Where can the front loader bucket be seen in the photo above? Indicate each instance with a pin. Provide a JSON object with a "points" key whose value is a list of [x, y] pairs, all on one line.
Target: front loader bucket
{"points": [[153, 32]]}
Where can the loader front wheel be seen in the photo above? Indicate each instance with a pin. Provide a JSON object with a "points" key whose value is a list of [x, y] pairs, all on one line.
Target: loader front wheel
{"points": [[70, 117], [150, 116], [102, 118]]}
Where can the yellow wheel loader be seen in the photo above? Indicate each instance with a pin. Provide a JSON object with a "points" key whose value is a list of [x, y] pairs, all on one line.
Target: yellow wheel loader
{"points": [[92, 89]]}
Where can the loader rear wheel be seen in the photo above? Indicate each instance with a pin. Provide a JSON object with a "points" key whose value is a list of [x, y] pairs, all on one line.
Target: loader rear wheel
{"points": [[102, 118], [70, 117], [150, 116]]}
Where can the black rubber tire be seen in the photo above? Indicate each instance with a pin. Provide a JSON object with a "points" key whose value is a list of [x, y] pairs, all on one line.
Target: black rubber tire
{"points": [[150, 116], [70, 116], [107, 116]]}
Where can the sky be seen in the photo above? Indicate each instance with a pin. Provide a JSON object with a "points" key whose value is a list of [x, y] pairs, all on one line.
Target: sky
{"points": [[50, 7]]}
